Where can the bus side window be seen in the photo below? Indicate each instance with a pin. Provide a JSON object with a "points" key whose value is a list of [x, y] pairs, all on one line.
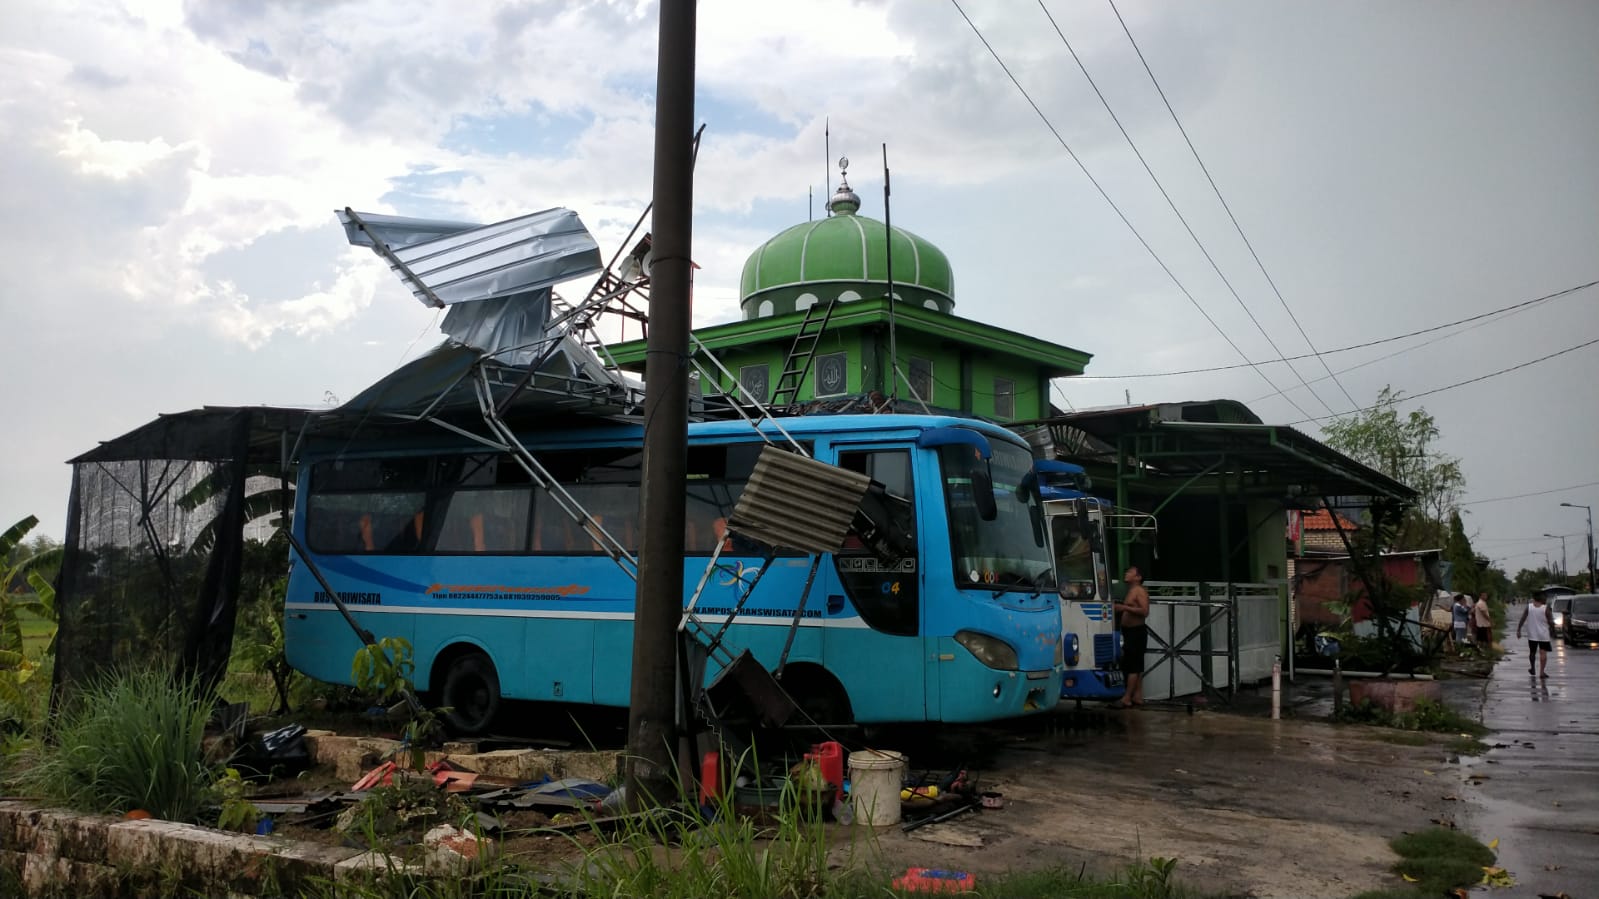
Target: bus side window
{"points": [[885, 593]]}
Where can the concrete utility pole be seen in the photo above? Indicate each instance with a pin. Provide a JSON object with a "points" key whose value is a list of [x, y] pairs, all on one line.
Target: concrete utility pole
{"points": [[1591, 563], [1564, 571], [652, 724]]}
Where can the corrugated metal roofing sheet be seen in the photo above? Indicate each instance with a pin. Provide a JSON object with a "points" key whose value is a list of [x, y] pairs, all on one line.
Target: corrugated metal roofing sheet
{"points": [[793, 501]]}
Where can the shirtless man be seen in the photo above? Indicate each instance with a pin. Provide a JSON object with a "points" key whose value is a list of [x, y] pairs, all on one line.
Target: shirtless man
{"points": [[1134, 612]]}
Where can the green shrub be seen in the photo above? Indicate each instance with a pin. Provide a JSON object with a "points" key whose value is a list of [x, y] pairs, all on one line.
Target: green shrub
{"points": [[129, 740], [1437, 841]]}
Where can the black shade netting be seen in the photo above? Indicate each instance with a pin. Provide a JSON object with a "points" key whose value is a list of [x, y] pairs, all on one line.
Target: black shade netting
{"points": [[150, 572]]}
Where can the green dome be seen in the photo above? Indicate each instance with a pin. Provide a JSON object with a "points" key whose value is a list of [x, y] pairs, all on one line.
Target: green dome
{"points": [[843, 256]]}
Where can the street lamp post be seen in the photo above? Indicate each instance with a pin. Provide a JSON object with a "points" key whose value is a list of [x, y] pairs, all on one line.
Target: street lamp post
{"points": [[1589, 510], [1564, 571], [1548, 569]]}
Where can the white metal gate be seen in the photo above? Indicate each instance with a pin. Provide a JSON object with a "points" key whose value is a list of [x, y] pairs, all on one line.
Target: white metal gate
{"points": [[1205, 636]]}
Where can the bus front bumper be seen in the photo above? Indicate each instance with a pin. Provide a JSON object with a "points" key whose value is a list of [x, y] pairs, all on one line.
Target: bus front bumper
{"points": [[1092, 684], [974, 692]]}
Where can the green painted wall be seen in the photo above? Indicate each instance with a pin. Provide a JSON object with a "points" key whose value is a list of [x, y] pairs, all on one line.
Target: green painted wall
{"points": [[963, 377]]}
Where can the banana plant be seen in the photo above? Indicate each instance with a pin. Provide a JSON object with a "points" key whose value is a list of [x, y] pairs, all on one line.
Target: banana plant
{"points": [[16, 664]]}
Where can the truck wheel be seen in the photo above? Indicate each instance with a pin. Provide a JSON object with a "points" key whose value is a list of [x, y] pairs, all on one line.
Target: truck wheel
{"points": [[471, 694]]}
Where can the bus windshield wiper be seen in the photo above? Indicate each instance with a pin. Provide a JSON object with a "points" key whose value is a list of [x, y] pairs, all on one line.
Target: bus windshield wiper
{"points": [[1008, 579]]}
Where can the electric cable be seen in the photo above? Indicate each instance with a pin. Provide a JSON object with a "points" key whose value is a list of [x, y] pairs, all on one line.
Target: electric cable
{"points": [[1117, 209], [1356, 346], [1410, 349], [1173, 206], [1500, 499], [1225, 206], [1492, 374]]}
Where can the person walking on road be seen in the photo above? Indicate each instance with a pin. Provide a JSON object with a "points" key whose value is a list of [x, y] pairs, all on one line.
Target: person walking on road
{"points": [[1134, 612], [1484, 620], [1539, 621]]}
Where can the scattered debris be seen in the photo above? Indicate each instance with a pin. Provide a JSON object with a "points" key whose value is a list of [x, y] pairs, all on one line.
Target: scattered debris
{"points": [[450, 848], [949, 835], [1497, 877], [937, 817], [934, 880]]}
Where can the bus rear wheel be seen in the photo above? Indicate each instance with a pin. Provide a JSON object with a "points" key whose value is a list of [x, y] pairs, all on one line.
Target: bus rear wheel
{"points": [[819, 696], [471, 694]]}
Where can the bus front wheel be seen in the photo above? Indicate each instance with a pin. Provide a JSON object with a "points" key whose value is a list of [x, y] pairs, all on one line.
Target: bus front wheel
{"points": [[471, 694]]}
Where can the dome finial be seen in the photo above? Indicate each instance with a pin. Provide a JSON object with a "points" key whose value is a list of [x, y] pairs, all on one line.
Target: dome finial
{"points": [[844, 201]]}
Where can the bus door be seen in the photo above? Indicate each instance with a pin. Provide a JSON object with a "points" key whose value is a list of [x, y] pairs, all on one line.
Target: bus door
{"points": [[1077, 543], [874, 604]]}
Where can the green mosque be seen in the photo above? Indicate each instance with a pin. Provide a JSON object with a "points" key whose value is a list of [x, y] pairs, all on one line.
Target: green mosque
{"points": [[835, 271]]}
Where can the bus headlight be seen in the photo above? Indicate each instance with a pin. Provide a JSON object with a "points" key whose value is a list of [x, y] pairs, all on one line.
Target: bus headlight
{"points": [[1073, 650], [991, 651]]}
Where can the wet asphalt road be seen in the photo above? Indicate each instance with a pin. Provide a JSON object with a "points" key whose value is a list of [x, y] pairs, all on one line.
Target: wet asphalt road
{"points": [[1540, 797]]}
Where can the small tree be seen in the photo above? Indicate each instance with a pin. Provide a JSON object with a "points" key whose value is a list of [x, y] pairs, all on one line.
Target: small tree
{"points": [[1468, 575], [1402, 447]]}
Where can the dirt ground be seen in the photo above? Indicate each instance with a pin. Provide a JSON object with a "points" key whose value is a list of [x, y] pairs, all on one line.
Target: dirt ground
{"points": [[1249, 807]]}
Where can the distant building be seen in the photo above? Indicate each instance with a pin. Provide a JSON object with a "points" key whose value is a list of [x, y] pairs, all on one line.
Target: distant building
{"points": [[1319, 535]]}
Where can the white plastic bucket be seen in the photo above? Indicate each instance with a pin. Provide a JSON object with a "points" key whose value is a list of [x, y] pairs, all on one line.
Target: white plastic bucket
{"points": [[876, 777]]}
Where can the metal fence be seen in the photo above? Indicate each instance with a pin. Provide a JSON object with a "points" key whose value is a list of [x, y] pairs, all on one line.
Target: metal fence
{"points": [[1211, 638]]}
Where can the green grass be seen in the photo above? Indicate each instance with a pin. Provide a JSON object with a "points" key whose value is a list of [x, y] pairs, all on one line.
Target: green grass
{"points": [[1429, 716], [129, 740], [1438, 842], [1150, 879], [36, 633], [1434, 861]]}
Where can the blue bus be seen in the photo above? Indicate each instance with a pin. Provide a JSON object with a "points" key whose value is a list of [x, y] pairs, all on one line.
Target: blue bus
{"points": [[1091, 644], [502, 594]]}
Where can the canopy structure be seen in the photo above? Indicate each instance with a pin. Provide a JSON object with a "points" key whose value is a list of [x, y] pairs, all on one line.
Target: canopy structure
{"points": [[1212, 466], [155, 521]]}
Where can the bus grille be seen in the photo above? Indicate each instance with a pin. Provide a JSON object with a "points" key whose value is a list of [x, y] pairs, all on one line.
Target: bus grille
{"points": [[1104, 649]]}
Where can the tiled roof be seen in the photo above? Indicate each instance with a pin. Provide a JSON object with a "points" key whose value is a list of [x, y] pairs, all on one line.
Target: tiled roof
{"points": [[1321, 520]]}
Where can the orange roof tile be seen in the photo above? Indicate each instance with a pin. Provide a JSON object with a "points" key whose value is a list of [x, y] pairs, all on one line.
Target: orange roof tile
{"points": [[1321, 520]]}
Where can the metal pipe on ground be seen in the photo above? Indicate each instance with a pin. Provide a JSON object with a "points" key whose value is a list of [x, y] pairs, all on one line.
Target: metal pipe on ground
{"points": [[1328, 672]]}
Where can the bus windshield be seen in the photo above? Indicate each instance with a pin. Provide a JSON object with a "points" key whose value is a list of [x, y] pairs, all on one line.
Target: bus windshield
{"points": [[1074, 558], [1010, 550]]}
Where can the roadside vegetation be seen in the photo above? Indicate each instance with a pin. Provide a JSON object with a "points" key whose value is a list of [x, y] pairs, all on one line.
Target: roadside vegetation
{"points": [[131, 741], [1437, 861], [1427, 716]]}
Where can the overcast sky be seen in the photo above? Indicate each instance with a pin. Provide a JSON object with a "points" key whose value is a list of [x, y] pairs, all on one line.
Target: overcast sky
{"points": [[171, 170]]}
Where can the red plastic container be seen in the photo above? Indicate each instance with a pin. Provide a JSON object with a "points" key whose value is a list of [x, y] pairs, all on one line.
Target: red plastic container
{"points": [[829, 758], [710, 776]]}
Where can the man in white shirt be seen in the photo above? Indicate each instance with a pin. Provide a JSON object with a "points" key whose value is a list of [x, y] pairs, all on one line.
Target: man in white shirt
{"points": [[1539, 621]]}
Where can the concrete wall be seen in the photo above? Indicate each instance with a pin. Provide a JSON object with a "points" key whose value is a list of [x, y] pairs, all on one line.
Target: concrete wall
{"points": [[50, 853]]}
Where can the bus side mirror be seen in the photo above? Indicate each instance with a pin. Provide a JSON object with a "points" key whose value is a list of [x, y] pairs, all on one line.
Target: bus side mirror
{"points": [[1080, 512], [983, 494]]}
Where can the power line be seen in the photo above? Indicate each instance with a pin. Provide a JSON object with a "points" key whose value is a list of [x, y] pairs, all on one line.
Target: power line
{"points": [[1123, 216], [1500, 499], [1224, 205], [1356, 346], [1411, 349], [1492, 374], [1523, 539], [1173, 205]]}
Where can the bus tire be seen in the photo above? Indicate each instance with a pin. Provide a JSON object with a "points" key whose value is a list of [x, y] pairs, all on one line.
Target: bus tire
{"points": [[470, 694], [820, 697]]}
